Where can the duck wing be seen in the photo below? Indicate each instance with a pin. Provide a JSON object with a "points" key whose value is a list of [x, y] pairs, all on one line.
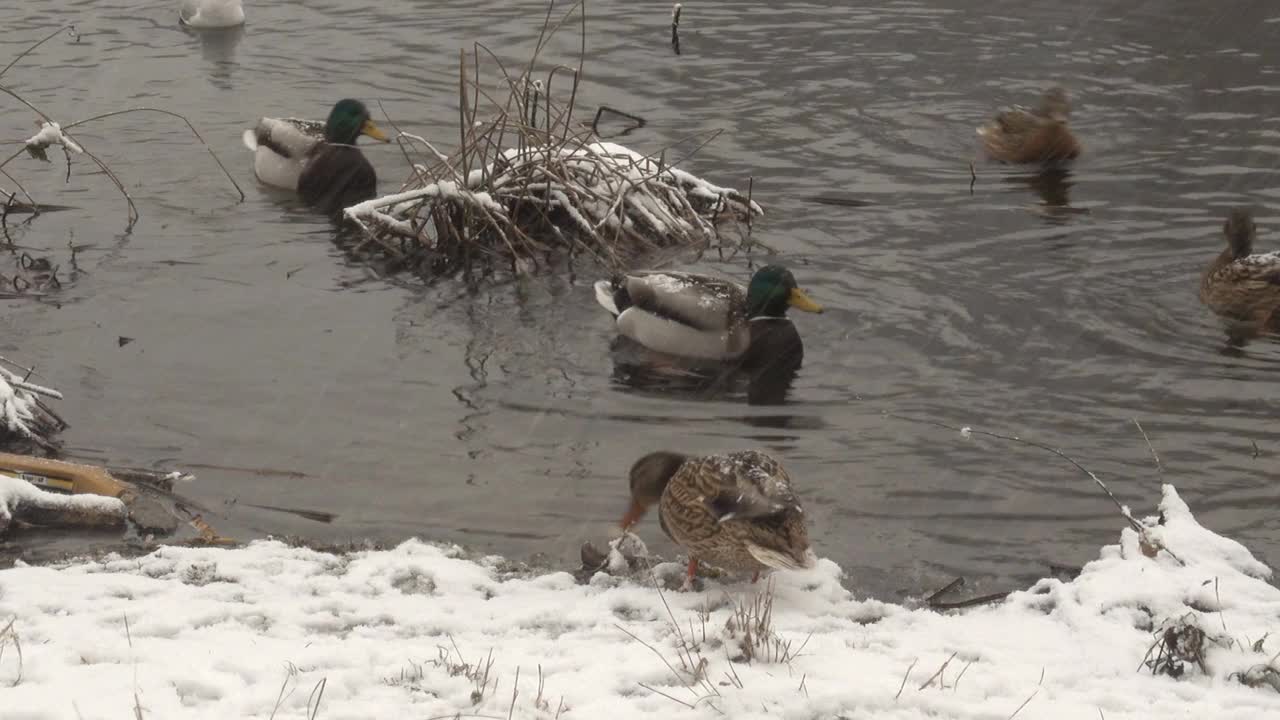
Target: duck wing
{"points": [[698, 301], [751, 486], [1259, 273], [287, 137], [1016, 120]]}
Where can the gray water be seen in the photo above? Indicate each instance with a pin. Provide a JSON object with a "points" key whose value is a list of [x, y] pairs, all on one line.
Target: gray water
{"points": [[498, 421]]}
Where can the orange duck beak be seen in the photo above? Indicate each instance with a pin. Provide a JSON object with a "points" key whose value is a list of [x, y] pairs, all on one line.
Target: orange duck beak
{"points": [[634, 514]]}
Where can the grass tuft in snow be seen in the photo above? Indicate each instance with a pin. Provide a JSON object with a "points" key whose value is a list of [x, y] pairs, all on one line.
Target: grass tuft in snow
{"points": [[9, 637], [751, 634], [528, 184]]}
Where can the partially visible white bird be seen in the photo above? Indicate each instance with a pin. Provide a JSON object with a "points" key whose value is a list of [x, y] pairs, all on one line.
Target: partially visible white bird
{"points": [[211, 13]]}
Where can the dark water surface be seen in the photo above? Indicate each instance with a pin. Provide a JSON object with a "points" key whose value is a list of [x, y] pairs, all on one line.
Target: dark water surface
{"points": [[496, 420]]}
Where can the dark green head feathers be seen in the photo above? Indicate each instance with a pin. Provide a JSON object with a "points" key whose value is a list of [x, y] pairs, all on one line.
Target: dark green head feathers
{"points": [[348, 120], [772, 290]]}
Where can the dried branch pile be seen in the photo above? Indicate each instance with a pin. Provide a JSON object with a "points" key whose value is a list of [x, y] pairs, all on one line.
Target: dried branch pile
{"points": [[25, 420], [530, 184]]}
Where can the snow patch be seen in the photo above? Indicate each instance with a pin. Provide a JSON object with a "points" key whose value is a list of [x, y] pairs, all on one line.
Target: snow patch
{"points": [[420, 631]]}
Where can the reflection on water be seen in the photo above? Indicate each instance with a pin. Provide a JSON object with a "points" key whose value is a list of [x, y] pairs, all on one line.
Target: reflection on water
{"points": [[218, 49], [638, 369], [504, 418]]}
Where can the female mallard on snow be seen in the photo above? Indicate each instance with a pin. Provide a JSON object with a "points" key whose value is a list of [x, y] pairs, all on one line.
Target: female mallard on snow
{"points": [[1241, 285], [211, 13], [735, 511], [321, 162], [1021, 135], [707, 318]]}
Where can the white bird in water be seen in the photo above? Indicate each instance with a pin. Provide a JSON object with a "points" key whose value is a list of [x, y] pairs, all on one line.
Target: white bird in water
{"points": [[211, 13]]}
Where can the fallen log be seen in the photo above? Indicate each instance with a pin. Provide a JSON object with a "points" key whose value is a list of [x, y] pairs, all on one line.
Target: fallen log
{"points": [[21, 501]]}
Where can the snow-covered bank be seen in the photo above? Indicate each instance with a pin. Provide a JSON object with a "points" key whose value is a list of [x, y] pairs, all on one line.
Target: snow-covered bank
{"points": [[264, 630]]}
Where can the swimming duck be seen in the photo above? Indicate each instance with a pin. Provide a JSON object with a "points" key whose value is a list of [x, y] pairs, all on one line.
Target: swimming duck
{"points": [[211, 13], [1022, 135], [320, 161], [1242, 285], [708, 318], [736, 511]]}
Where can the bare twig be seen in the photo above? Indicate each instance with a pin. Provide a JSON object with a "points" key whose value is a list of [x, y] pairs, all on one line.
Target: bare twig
{"points": [[963, 670], [1133, 522], [938, 672], [1154, 456], [66, 28], [170, 113]]}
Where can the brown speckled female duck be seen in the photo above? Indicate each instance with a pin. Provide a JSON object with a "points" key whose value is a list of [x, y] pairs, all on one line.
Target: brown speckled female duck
{"points": [[735, 511], [1022, 135], [1241, 285]]}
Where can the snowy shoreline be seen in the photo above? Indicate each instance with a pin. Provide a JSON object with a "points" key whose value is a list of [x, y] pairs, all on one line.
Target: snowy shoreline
{"points": [[420, 631]]}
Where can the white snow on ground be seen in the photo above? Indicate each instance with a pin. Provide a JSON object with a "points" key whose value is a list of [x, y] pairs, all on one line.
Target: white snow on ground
{"points": [[206, 633]]}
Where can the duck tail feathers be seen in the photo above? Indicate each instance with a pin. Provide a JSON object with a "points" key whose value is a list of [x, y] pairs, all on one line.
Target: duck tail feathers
{"points": [[779, 560], [605, 291], [250, 138]]}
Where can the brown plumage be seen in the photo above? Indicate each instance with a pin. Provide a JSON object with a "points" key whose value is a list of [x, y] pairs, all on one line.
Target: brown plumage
{"points": [[1240, 285], [1021, 135], [735, 511]]}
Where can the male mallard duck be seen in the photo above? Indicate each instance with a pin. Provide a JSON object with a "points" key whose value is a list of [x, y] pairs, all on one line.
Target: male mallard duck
{"points": [[707, 318], [735, 511], [1021, 135], [211, 13], [321, 162], [1241, 285]]}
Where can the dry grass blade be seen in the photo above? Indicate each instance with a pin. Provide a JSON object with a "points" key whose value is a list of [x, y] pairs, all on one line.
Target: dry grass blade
{"points": [[659, 692], [515, 693], [938, 673], [317, 693], [291, 673], [10, 635], [1030, 697], [905, 675]]}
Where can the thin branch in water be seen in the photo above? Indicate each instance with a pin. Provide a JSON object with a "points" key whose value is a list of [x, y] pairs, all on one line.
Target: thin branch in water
{"points": [[170, 113], [1154, 456], [65, 28], [1137, 526]]}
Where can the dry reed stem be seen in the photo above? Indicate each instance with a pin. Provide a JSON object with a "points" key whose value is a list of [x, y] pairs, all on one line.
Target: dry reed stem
{"points": [[1154, 456], [552, 188]]}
